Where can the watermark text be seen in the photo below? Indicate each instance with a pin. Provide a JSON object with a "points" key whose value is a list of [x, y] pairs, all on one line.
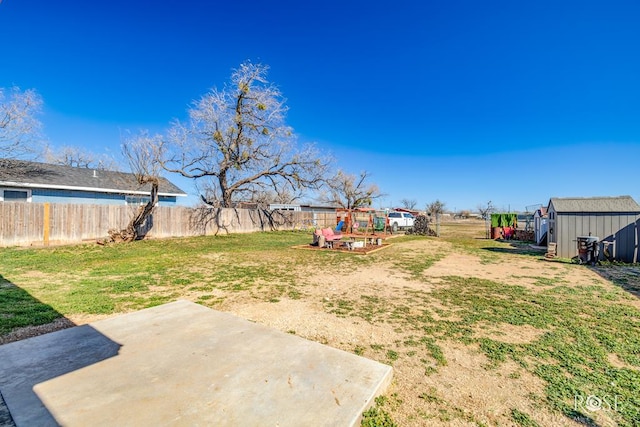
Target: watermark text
{"points": [[594, 403]]}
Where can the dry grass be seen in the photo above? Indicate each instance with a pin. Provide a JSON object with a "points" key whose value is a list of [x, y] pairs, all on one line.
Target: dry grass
{"points": [[478, 332]]}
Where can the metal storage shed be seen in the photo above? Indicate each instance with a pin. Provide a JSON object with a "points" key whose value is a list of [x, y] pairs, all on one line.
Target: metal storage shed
{"points": [[612, 219]]}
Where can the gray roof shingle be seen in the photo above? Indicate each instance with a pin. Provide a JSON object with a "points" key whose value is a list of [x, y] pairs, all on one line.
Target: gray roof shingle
{"points": [[44, 175], [620, 204]]}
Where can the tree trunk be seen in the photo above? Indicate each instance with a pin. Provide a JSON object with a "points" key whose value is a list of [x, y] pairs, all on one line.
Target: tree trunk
{"points": [[130, 233]]}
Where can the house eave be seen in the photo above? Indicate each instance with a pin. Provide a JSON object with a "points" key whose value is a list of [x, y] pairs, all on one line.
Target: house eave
{"points": [[97, 190]]}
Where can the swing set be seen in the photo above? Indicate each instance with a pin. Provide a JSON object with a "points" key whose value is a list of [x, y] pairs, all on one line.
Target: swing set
{"points": [[364, 223]]}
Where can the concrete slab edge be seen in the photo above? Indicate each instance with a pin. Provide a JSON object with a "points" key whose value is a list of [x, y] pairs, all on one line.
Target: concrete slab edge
{"points": [[380, 389]]}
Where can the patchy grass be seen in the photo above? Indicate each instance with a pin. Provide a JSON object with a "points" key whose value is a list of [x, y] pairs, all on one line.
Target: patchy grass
{"points": [[583, 326], [522, 419], [377, 416], [587, 337], [91, 279]]}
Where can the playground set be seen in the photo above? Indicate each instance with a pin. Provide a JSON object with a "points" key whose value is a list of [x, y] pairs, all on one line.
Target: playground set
{"points": [[356, 229]]}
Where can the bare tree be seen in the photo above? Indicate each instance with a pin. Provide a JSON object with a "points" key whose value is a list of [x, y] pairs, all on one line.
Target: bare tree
{"points": [[280, 196], [350, 191], [485, 210], [436, 207], [236, 140], [79, 158], [19, 127], [409, 204], [141, 155]]}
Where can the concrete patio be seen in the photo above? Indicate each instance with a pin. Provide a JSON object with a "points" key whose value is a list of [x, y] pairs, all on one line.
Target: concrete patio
{"points": [[184, 364]]}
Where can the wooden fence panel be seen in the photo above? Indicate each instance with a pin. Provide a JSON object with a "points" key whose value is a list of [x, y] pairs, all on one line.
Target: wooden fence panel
{"points": [[23, 224], [20, 222]]}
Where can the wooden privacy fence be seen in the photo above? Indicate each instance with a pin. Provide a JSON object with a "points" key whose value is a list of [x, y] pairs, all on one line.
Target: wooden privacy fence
{"points": [[26, 224]]}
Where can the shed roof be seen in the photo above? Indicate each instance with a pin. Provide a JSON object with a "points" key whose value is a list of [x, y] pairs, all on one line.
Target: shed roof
{"points": [[44, 175], [619, 204]]}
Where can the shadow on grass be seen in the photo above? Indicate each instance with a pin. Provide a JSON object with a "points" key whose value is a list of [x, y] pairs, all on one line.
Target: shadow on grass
{"points": [[19, 309], [517, 248], [581, 419], [626, 276]]}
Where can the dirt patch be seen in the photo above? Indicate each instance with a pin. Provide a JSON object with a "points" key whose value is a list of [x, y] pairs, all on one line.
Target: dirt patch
{"points": [[459, 264], [468, 390], [616, 362], [529, 272], [378, 277], [342, 247], [34, 274], [440, 311], [83, 318], [427, 246], [308, 320], [507, 333]]}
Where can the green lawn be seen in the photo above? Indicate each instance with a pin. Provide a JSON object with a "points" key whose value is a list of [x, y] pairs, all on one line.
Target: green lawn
{"points": [[589, 343], [96, 279]]}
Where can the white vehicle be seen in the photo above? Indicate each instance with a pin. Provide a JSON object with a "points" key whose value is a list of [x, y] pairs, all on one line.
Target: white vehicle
{"points": [[400, 220]]}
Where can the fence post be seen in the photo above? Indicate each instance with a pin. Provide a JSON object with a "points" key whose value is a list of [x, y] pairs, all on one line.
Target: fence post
{"points": [[45, 225]]}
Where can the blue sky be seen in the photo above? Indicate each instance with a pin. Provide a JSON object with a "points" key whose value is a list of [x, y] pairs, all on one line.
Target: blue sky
{"points": [[462, 101]]}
